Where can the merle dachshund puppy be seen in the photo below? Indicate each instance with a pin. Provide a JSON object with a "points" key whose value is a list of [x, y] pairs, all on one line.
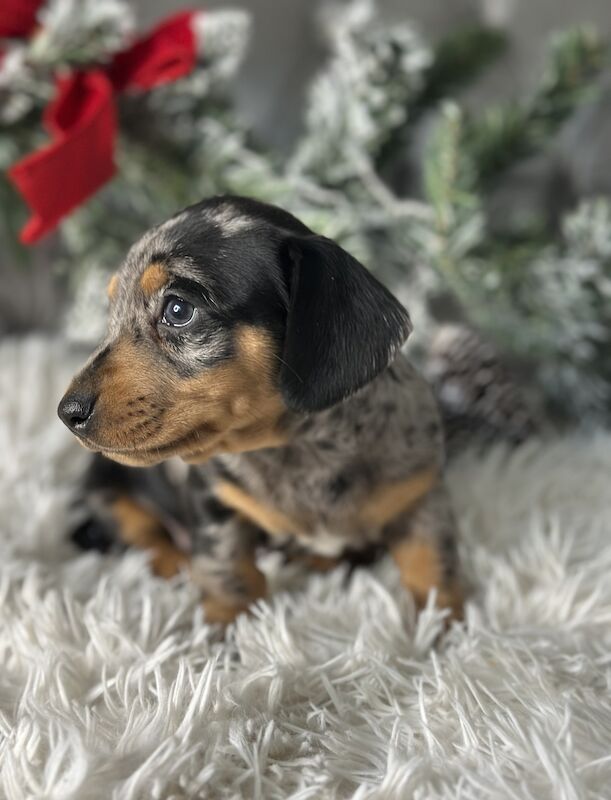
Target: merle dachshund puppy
{"points": [[268, 358]]}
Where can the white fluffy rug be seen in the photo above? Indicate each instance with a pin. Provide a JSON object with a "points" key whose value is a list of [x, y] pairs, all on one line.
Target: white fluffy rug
{"points": [[112, 685]]}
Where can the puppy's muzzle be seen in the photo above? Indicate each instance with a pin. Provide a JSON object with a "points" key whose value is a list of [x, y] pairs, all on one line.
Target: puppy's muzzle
{"points": [[76, 411]]}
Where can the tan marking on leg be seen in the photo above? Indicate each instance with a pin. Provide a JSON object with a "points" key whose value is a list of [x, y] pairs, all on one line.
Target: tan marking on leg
{"points": [[452, 597], [111, 289], [421, 569], [140, 528], [224, 608], [387, 502], [153, 279], [267, 517], [218, 612]]}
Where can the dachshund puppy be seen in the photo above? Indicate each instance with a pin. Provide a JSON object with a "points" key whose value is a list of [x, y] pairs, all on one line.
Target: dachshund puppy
{"points": [[268, 358]]}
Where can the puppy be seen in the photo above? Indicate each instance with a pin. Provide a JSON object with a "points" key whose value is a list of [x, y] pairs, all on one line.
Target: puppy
{"points": [[268, 358]]}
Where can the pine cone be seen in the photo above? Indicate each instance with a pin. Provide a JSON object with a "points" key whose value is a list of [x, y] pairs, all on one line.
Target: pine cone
{"points": [[480, 397]]}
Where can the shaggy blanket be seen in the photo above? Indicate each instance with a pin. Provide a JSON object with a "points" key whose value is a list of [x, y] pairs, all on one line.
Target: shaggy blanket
{"points": [[113, 686]]}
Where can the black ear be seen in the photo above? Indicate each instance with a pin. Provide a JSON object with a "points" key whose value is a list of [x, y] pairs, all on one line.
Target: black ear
{"points": [[343, 326]]}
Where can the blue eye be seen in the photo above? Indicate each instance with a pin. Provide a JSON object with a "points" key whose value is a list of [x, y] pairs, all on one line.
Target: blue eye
{"points": [[177, 312]]}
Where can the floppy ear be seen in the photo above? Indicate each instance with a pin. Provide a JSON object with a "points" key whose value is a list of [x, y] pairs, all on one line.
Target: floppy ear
{"points": [[343, 326]]}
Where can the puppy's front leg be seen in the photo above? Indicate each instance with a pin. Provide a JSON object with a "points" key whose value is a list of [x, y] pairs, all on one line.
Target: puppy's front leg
{"points": [[423, 546], [224, 568], [140, 527]]}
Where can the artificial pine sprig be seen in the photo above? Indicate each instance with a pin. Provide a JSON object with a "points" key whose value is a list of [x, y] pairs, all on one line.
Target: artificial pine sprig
{"points": [[505, 133], [541, 298]]}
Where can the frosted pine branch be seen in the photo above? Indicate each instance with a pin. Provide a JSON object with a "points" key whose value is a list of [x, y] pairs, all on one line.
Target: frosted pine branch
{"points": [[362, 95], [80, 31]]}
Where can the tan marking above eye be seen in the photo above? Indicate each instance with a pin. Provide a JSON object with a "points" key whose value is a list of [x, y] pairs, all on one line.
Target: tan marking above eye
{"points": [[111, 289], [154, 278]]}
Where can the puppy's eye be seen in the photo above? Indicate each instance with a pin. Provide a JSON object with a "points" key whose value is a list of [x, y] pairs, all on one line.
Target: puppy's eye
{"points": [[177, 312]]}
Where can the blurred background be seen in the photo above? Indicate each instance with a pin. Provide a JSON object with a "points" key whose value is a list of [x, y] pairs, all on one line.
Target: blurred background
{"points": [[459, 148]]}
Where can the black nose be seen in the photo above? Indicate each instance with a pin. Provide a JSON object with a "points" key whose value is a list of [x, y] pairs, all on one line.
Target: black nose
{"points": [[75, 410]]}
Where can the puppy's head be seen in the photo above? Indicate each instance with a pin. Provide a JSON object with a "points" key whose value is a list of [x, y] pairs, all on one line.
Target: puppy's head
{"points": [[224, 320]]}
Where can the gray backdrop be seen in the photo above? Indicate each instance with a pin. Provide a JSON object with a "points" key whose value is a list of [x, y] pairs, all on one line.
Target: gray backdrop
{"points": [[286, 46], [286, 50]]}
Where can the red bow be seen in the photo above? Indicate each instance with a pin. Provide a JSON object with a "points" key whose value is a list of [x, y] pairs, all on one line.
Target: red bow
{"points": [[82, 122], [18, 17]]}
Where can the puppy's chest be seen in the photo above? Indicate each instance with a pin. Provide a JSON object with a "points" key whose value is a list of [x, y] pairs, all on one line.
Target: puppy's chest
{"points": [[291, 496], [339, 486]]}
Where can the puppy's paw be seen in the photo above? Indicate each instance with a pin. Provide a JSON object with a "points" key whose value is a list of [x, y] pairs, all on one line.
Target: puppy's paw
{"points": [[221, 611], [452, 596], [167, 560]]}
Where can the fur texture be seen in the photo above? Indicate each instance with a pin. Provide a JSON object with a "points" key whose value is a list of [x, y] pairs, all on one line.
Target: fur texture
{"points": [[267, 356], [113, 687]]}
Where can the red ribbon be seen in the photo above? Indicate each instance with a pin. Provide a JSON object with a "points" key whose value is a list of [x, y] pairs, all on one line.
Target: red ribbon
{"points": [[18, 17], [82, 123]]}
